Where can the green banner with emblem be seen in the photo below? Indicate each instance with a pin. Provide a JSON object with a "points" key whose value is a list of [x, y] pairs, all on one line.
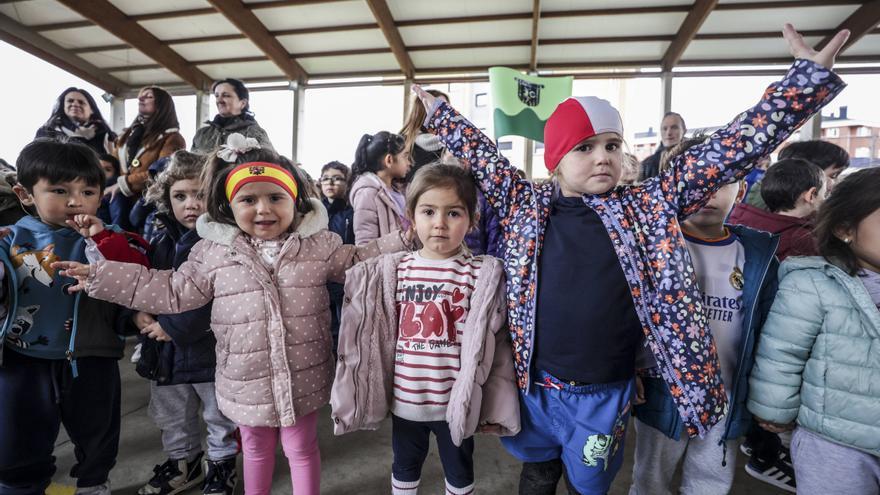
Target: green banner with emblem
{"points": [[523, 103]]}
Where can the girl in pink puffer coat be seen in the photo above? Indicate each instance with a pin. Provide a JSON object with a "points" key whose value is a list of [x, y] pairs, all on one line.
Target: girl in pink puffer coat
{"points": [[265, 258]]}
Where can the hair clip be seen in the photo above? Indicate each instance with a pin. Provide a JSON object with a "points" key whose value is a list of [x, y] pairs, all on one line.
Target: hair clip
{"points": [[236, 145]]}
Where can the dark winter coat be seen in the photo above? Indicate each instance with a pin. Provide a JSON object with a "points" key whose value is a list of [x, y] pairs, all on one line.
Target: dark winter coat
{"points": [[795, 234], [190, 357], [651, 165], [215, 132], [96, 134]]}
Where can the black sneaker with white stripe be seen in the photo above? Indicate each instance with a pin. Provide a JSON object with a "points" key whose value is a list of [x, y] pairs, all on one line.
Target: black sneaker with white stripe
{"points": [[777, 472], [220, 478]]}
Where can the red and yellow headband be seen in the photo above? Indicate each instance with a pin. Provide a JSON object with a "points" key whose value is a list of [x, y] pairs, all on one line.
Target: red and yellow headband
{"points": [[259, 172]]}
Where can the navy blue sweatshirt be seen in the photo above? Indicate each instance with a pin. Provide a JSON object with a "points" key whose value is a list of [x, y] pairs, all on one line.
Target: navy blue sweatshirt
{"points": [[587, 329], [190, 358]]}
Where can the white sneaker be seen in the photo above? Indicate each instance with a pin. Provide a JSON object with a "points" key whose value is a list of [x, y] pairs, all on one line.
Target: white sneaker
{"points": [[136, 355], [103, 489]]}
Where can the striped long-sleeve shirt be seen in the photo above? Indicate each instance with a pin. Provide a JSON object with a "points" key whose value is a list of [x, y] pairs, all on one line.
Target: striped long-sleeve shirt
{"points": [[433, 299]]}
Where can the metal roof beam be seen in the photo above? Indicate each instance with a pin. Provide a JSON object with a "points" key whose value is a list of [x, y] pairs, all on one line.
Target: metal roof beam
{"points": [[104, 14], [689, 27], [386, 23], [21, 37], [536, 17], [256, 31], [863, 21]]}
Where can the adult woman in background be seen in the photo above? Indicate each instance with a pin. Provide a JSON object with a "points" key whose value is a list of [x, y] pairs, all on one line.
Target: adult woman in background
{"points": [[76, 116], [233, 115], [154, 134]]}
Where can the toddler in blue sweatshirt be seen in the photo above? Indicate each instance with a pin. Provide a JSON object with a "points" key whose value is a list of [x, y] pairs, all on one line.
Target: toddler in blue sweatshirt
{"points": [[58, 351]]}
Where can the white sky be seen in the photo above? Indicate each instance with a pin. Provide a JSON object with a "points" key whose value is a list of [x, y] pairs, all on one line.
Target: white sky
{"points": [[336, 118]]}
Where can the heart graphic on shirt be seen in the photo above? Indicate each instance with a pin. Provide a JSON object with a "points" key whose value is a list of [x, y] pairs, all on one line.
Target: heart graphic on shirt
{"points": [[457, 296]]}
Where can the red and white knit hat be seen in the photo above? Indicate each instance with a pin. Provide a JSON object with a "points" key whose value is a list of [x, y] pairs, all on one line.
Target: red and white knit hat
{"points": [[576, 119]]}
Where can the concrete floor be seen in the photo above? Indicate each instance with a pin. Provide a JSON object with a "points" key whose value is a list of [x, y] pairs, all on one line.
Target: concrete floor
{"points": [[355, 463]]}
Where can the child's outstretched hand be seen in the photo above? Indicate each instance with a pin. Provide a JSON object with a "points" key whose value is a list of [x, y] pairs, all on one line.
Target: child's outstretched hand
{"points": [[426, 98], [86, 225], [74, 270], [800, 49], [142, 320], [154, 331]]}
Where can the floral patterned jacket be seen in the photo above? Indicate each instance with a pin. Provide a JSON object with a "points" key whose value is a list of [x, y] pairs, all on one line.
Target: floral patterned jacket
{"points": [[643, 224]]}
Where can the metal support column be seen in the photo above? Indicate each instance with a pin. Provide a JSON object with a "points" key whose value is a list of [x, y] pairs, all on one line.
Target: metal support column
{"points": [[407, 97], [299, 111], [666, 90], [529, 153], [203, 108], [117, 113], [812, 129]]}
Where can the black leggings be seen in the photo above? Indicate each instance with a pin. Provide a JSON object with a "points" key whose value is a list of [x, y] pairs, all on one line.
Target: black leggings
{"points": [[541, 478]]}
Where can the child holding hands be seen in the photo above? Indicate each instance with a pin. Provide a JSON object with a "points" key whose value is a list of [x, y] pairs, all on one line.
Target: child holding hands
{"points": [[265, 258], [576, 327]]}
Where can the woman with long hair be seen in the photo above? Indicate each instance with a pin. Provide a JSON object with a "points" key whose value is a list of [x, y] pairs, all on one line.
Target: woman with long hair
{"points": [[154, 134], [77, 117]]}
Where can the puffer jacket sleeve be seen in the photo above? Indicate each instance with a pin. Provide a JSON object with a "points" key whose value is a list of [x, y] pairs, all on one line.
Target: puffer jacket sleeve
{"points": [[731, 152], [784, 347], [500, 404], [154, 291], [366, 215], [346, 256]]}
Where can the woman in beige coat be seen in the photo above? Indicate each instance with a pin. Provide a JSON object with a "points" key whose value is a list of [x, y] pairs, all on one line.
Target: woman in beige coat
{"points": [[265, 259]]}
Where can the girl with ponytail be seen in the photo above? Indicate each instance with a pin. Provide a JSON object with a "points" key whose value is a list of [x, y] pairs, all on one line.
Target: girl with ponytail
{"points": [[378, 206]]}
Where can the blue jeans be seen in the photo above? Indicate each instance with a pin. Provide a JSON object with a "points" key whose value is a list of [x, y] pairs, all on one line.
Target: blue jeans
{"points": [[584, 425]]}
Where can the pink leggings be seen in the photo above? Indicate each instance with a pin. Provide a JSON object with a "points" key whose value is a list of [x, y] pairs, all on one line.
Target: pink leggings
{"points": [[300, 444]]}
